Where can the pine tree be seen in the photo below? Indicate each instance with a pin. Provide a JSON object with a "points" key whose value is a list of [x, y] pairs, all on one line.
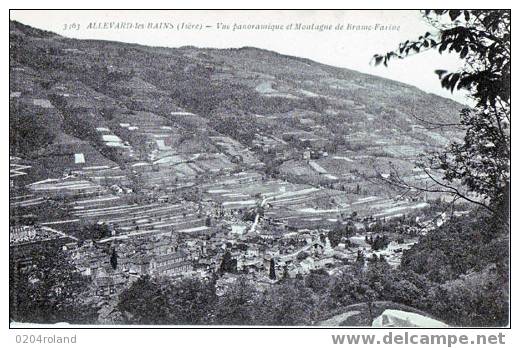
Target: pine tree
{"points": [[113, 259], [272, 272]]}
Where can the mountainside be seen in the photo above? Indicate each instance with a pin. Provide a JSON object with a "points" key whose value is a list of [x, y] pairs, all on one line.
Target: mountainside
{"points": [[199, 186], [78, 104]]}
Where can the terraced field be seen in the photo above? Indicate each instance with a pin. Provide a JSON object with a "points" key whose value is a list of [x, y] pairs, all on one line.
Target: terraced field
{"points": [[127, 218], [133, 142]]}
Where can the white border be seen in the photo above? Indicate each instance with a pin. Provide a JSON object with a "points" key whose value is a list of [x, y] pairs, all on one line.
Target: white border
{"points": [[229, 337]]}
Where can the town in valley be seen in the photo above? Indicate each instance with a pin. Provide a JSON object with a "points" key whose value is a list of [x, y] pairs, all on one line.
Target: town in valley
{"points": [[221, 166]]}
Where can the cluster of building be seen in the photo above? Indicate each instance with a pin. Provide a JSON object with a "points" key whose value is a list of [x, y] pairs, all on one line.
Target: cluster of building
{"points": [[268, 254]]}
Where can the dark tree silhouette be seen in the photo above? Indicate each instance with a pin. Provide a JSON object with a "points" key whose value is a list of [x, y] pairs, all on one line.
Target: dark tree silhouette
{"points": [[113, 259], [478, 168], [272, 271], [49, 290], [228, 265]]}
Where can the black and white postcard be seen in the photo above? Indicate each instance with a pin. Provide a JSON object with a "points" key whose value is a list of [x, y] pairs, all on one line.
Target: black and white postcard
{"points": [[260, 169]]}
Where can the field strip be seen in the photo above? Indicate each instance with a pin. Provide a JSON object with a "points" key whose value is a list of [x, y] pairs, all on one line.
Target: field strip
{"points": [[194, 229], [63, 234], [58, 222], [111, 211], [98, 200], [14, 173], [317, 167], [322, 211], [22, 205], [132, 216], [248, 202], [79, 208], [126, 236], [70, 187], [396, 209], [23, 196], [119, 177], [161, 223], [294, 193], [28, 202], [96, 167], [388, 204], [365, 200], [343, 158]]}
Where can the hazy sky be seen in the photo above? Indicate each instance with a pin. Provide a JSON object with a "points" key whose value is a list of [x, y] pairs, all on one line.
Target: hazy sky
{"points": [[351, 49]]}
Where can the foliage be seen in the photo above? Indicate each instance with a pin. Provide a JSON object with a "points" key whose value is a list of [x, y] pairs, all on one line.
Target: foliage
{"points": [[465, 261], [28, 133], [464, 244], [272, 271], [144, 303], [481, 37], [379, 242], [238, 305], [47, 290], [481, 163], [160, 301], [478, 299], [95, 232], [113, 259], [354, 286], [318, 281], [228, 265], [287, 303], [189, 301], [339, 233], [302, 255]]}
